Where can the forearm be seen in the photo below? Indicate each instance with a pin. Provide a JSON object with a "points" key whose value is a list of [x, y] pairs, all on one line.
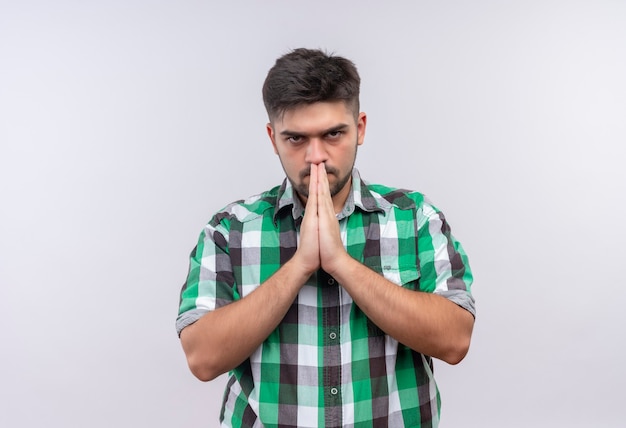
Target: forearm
{"points": [[222, 339], [427, 323]]}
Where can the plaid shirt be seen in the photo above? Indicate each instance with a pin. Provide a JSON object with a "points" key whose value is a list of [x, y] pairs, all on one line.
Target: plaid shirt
{"points": [[327, 364]]}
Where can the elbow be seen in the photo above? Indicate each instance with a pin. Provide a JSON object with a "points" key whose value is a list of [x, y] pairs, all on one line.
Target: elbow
{"points": [[459, 344], [457, 351], [204, 376], [455, 357], [203, 370], [203, 364]]}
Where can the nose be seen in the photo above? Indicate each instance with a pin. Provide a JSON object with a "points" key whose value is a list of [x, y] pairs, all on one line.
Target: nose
{"points": [[316, 152]]}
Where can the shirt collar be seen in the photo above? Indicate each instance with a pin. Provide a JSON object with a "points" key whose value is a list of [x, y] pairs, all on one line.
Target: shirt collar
{"points": [[360, 197]]}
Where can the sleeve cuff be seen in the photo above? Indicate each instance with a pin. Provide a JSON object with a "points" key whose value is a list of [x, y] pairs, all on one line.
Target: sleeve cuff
{"points": [[188, 318], [462, 298]]}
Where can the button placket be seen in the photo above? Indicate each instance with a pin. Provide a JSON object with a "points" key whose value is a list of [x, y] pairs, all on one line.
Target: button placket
{"points": [[332, 359]]}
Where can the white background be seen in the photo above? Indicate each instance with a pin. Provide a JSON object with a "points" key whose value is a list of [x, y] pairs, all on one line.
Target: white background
{"points": [[125, 124]]}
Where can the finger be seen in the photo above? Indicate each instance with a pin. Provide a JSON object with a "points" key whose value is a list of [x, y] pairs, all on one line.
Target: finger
{"points": [[323, 186], [323, 177], [325, 200], [313, 186]]}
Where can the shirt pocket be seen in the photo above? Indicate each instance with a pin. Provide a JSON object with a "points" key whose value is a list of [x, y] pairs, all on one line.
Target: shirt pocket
{"points": [[406, 276]]}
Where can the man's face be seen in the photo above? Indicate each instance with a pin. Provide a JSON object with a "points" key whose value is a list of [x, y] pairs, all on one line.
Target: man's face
{"points": [[323, 132]]}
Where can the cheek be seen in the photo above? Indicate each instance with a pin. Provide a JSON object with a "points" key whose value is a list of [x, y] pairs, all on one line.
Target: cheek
{"points": [[347, 155], [289, 162]]}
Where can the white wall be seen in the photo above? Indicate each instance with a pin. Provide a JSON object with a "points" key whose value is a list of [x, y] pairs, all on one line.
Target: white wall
{"points": [[125, 124]]}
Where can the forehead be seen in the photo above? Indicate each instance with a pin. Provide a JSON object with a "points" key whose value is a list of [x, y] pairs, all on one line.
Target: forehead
{"points": [[311, 117]]}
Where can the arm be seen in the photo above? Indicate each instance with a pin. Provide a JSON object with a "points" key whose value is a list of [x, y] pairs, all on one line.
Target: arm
{"points": [[222, 339], [427, 323]]}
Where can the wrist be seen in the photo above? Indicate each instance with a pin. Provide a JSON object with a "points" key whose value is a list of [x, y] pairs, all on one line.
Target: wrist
{"points": [[340, 265], [301, 270]]}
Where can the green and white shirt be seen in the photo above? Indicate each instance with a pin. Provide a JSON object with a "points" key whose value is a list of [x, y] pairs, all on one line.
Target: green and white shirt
{"points": [[327, 364]]}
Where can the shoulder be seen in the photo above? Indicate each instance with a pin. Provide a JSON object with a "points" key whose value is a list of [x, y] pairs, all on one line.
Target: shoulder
{"points": [[411, 202], [399, 198], [249, 209]]}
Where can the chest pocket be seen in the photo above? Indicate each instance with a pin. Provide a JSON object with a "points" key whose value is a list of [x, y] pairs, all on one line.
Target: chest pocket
{"points": [[405, 276]]}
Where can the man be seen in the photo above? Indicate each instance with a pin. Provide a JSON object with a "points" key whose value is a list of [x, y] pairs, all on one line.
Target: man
{"points": [[326, 297]]}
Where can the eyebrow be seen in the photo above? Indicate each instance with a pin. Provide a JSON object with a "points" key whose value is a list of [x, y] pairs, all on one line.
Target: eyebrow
{"points": [[339, 127]]}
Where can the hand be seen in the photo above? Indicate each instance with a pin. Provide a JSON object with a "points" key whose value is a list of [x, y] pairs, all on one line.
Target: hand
{"points": [[332, 251], [308, 252], [320, 236]]}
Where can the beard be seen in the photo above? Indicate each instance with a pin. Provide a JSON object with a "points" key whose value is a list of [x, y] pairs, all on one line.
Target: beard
{"points": [[302, 189]]}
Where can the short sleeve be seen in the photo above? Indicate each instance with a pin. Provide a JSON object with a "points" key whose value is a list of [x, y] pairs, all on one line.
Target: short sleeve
{"points": [[210, 282], [444, 265]]}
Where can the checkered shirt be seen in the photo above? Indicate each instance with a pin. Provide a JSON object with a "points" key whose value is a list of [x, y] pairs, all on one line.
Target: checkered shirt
{"points": [[326, 364]]}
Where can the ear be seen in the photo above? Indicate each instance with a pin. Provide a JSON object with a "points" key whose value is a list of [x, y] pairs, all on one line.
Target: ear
{"points": [[360, 128], [270, 133]]}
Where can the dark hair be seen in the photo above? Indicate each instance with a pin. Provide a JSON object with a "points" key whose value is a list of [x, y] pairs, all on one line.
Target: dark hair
{"points": [[307, 76]]}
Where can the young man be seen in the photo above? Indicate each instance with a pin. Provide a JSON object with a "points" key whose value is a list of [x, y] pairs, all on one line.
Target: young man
{"points": [[325, 298]]}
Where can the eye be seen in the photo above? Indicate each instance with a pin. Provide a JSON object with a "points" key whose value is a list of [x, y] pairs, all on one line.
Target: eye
{"points": [[333, 135], [295, 139]]}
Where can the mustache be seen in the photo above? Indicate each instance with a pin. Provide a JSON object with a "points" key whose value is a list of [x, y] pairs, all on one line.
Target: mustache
{"points": [[329, 170]]}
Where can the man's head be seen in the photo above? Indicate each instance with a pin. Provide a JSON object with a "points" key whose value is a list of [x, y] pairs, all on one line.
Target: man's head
{"points": [[312, 100], [306, 76]]}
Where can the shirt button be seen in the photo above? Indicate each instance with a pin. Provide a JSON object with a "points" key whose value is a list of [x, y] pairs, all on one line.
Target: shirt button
{"points": [[333, 335], [333, 391], [331, 281]]}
